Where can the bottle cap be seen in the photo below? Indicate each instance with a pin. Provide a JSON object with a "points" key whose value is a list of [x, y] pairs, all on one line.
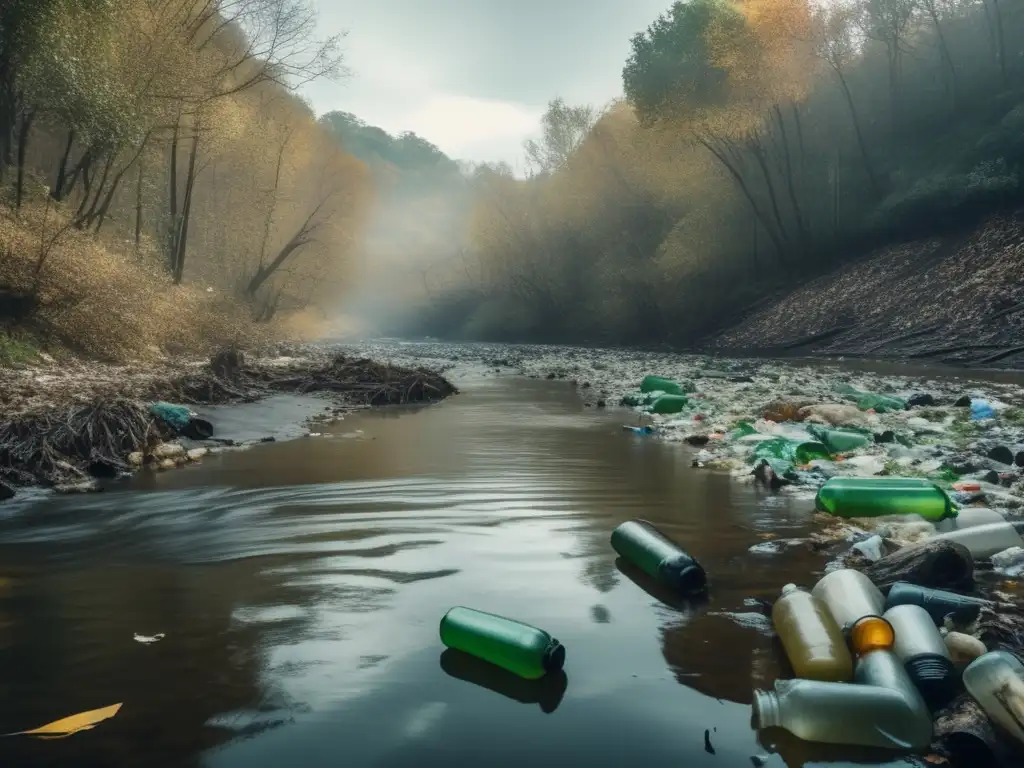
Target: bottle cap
{"points": [[554, 656], [686, 578], [871, 633], [790, 589]]}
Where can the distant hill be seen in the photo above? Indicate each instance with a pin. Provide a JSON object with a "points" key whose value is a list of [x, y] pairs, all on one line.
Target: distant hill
{"points": [[406, 153]]}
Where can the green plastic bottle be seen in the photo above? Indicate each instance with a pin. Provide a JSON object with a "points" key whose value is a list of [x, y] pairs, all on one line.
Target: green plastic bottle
{"points": [[643, 545], [839, 440], [521, 649], [669, 404], [661, 384], [878, 496], [880, 403], [546, 692], [639, 398], [795, 451]]}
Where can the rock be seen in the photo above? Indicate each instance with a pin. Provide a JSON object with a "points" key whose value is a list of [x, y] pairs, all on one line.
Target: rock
{"points": [[935, 563], [888, 436], [586, 385], [227, 363], [781, 410], [961, 464], [918, 400], [167, 464], [1002, 454], [991, 477], [1019, 459], [835, 414], [964, 649], [697, 440], [741, 379], [136, 458], [268, 439], [168, 451], [89, 486], [550, 376], [601, 403], [964, 401], [196, 454], [6, 492]]}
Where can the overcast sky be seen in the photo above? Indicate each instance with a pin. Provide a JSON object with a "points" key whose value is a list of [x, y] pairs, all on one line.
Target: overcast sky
{"points": [[474, 76]]}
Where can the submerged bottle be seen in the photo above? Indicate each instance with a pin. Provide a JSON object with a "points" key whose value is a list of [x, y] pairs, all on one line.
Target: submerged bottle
{"points": [[643, 545], [669, 404], [813, 642], [546, 692], [937, 602], [661, 384], [524, 650], [924, 655], [875, 497], [996, 682], [983, 541]]}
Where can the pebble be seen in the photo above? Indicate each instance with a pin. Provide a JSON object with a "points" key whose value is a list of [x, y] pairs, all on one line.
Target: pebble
{"points": [[168, 451], [167, 464], [196, 454], [964, 648], [136, 458]]}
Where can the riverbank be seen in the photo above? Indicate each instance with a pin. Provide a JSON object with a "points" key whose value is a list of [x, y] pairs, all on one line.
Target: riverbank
{"points": [[65, 425], [955, 299]]}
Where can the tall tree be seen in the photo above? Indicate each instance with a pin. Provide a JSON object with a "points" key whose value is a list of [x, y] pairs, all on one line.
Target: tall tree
{"points": [[563, 130]]}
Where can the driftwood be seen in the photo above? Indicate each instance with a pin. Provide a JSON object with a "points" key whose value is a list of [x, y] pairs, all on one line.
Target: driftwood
{"points": [[937, 563], [965, 735], [63, 445]]}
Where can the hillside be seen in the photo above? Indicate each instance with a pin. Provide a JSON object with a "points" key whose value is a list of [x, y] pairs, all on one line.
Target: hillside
{"points": [[956, 299]]}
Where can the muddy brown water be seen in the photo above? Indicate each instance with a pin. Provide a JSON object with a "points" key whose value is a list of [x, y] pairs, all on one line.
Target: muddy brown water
{"points": [[300, 584]]}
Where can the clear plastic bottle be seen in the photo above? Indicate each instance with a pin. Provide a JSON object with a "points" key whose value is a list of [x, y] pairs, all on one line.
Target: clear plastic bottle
{"points": [[643, 545], [983, 541], [524, 650], [937, 602], [846, 713], [923, 653], [878, 496], [813, 642], [996, 682], [849, 596]]}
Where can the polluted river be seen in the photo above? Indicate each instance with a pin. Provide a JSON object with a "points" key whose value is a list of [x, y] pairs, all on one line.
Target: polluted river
{"points": [[279, 605]]}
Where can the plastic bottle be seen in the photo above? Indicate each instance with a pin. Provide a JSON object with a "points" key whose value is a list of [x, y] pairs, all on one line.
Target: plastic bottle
{"points": [[983, 541], [924, 655], [869, 714], [969, 517], [669, 404], [814, 644], [937, 602], [839, 440], [996, 682], [875, 497], [795, 451], [880, 403], [661, 384], [849, 596], [521, 649], [643, 545]]}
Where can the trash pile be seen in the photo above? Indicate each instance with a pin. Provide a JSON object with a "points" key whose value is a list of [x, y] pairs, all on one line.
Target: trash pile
{"points": [[880, 659]]}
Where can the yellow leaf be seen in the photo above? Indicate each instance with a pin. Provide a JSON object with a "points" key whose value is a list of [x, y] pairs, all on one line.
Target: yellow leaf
{"points": [[83, 721]]}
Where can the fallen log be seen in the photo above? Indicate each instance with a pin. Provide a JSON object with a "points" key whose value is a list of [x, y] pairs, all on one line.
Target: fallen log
{"points": [[937, 563]]}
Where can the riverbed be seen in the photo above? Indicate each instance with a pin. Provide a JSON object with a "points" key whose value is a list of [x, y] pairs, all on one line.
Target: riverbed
{"points": [[299, 585]]}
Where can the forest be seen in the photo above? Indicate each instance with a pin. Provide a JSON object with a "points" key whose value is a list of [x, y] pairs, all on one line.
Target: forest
{"points": [[758, 143], [164, 186]]}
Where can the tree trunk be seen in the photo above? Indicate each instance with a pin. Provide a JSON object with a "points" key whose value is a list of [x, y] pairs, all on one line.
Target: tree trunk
{"points": [[23, 136], [1000, 42], [87, 211], [936, 563], [138, 204], [172, 201], [757, 149], [861, 144], [944, 54], [57, 193], [264, 273], [791, 183], [101, 214], [186, 213]]}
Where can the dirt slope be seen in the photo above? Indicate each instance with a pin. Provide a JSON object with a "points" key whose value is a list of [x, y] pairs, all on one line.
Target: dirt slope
{"points": [[955, 299]]}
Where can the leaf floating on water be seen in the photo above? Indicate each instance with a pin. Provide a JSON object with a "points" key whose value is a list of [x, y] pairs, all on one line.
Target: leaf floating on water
{"points": [[67, 726], [146, 639]]}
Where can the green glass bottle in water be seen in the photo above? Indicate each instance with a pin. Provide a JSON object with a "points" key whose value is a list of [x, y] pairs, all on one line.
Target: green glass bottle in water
{"points": [[521, 649], [879, 496], [643, 545]]}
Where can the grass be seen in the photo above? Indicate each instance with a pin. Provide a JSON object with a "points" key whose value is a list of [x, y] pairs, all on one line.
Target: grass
{"points": [[17, 349]]}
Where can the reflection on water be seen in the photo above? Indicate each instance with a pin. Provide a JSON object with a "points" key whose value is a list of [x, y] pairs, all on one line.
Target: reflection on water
{"points": [[300, 585]]}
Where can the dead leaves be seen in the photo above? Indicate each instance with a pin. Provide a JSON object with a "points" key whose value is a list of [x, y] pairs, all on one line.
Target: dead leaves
{"points": [[67, 726]]}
